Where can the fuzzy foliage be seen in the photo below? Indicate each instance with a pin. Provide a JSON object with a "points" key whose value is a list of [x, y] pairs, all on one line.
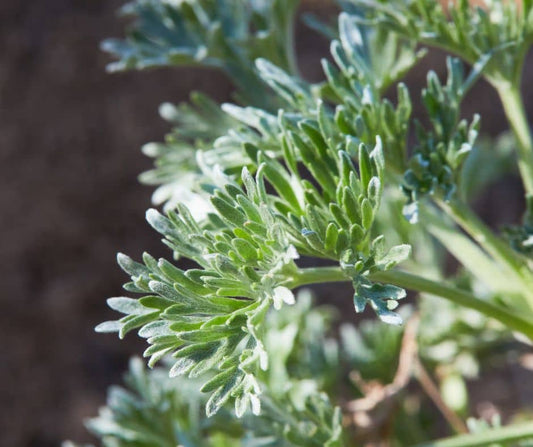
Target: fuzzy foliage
{"points": [[296, 171]]}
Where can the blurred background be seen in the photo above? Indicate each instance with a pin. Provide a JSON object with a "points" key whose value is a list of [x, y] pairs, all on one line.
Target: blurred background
{"points": [[70, 138]]}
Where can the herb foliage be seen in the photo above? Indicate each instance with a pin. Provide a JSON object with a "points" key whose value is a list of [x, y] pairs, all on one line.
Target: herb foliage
{"points": [[334, 171]]}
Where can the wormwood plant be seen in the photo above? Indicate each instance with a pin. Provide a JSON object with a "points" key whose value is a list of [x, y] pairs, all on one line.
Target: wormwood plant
{"points": [[297, 184]]}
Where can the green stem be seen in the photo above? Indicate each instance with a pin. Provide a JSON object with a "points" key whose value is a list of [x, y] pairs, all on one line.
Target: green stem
{"points": [[510, 319], [405, 280], [511, 433], [287, 37], [291, 51], [469, 253], [515, 266], [317, 275], [513, 105]]}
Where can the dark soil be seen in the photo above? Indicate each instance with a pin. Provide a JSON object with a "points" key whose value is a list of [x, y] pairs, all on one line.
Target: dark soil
{"points": [[70, 136]]}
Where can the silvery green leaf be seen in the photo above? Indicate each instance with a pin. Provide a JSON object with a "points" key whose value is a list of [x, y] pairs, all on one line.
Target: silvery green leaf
{"points": [[382, 292], [359, 303], [127, 306], [384, 314], [380, 297], [108, 326], [394, 256], [131, 267]]}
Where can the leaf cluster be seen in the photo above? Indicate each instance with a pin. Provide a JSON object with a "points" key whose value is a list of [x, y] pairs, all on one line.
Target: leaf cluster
{"points": [[434, 168], [155, 410], [301, 171], [197, 125], [360, 79], [309, 185], [361, 113], [501, 30], [227, 35], [212, 317]]}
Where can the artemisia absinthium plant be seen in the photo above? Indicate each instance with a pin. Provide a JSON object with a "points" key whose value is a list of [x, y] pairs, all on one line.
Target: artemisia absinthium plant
{"points": [[338, 173]]}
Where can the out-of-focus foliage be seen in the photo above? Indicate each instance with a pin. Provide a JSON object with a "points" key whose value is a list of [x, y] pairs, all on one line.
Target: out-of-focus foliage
{"points": [[223, 34], [502, 30], [335, 172]]}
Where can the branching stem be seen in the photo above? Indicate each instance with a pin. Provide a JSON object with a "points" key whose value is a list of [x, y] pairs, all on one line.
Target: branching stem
{"points": [[409, 281], [317, 275]]}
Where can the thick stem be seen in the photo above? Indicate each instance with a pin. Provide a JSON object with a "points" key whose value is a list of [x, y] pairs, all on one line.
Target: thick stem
{"points": [[505, 435], [405, 280], [513, 105]]}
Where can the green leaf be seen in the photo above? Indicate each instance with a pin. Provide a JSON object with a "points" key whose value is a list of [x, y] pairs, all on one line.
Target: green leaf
{"points": [[386, 315], [227, 212], [221, 395], [394, 256], [127, 306], [245, 249], [382, 297], [131, 267], [108, 326]]}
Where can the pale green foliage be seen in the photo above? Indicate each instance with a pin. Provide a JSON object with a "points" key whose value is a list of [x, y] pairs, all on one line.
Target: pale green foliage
{"points": [[372, 349], [447, 335], [300, 347], [438, 157], [503, 31], [489, 160], [298, 171], [361, 114], [358, 85], [157, 411], [223, 34], [212, 317], [197, 126]]}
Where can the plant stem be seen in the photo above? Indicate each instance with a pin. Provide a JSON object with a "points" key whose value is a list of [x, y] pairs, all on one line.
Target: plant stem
{"points": [[406, 280], [482, 234], [515, 266], [511, 433], [290, 51], [513, 105], [413, 282], [469, 253], [287, 40], [317, 275]]}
